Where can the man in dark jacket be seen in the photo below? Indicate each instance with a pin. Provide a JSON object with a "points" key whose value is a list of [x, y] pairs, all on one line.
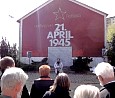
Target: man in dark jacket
{"points": [[105, 73]]}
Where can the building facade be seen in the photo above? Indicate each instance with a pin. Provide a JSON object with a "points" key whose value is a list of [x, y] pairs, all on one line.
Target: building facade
{"points": [[62, 29], [111, 20]]}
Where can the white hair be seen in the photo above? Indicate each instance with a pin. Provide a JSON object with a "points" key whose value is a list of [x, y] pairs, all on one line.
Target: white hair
{"points": [[86, 91], [105, 70], [11, 77]]}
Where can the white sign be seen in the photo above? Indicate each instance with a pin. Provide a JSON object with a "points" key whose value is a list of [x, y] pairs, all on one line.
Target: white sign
{"points": [[60, 36]]}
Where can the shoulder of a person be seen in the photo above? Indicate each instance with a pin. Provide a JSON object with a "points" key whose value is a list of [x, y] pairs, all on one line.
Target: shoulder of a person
{"points": [[109, 86], [104, 93], [3, 96], [102, 88], [49, 93]]}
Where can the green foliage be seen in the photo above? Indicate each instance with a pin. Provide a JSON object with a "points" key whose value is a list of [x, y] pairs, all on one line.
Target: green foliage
{"points": [[81, 64], [110, 32], [111, 52]]}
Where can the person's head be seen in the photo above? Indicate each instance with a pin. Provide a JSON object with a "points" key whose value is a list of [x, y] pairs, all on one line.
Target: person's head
{"points": [[58, 59], [62, 80], [44, 70], [12, 81], [6, 62], [86, 91], [105, 73]]}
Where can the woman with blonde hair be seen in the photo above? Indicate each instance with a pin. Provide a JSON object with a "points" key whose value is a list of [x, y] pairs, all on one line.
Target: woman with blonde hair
{"points": [[43, 83], [60, 88]]}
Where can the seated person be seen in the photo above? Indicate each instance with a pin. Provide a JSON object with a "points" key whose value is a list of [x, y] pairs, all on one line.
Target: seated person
{"points": [[58, 65], [12, 82], [43, 83], [7, 62]]}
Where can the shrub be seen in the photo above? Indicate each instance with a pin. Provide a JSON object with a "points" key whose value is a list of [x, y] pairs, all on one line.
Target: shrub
{"points": [[81, 64]]}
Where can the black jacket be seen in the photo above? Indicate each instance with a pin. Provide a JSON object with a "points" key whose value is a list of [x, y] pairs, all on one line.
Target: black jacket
{"points": [[39, 87], [58, 93], [108, 90], [25, 93]]}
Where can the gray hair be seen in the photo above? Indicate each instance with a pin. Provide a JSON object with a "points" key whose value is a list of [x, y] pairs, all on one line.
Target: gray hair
{"points": [[11, 77], [86, 91], [105, 70]]}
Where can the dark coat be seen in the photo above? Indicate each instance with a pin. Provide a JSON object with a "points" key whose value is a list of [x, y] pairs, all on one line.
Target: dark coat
{"points": [[25, 93], [108, 90], [58, 93], [39, 87]]}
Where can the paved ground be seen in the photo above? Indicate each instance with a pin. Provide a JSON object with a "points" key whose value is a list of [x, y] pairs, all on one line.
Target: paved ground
{"points": [[76, 79]]}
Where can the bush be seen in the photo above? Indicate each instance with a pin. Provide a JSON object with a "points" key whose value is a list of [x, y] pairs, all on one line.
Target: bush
{"points": [[33, 66], [81, 64], [111, 53]]}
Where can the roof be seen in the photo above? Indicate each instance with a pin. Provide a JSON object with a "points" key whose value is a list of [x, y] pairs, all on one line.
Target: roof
{"points": [[74, 1], [111, 17]]}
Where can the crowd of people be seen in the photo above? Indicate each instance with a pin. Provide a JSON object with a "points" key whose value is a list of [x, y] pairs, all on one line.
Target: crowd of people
{"points": [[13, 83]]}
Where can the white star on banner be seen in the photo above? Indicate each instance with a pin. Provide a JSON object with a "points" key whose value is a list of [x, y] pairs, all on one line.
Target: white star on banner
{"points": [[59, 14]]}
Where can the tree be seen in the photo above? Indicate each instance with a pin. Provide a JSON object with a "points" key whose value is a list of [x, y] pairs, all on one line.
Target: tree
{"points": [[4, 48], [111, 52], [111, 40], [110, 32], [7, 50]]}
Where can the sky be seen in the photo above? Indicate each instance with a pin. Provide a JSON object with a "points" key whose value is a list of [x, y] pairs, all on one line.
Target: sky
{"points": [[12, 10]]}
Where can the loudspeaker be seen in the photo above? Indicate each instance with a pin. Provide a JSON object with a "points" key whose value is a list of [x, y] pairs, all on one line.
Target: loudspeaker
{"points": [[29, 54]]}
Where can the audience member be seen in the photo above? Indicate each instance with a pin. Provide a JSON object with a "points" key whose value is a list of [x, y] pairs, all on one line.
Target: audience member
{"points": [[86, 91], [12, 82], [58, 65], [7, 62], [105, 74], [60, 88], [43, 83]]}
